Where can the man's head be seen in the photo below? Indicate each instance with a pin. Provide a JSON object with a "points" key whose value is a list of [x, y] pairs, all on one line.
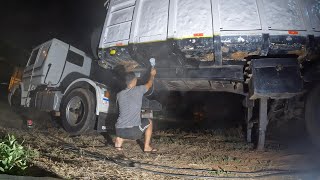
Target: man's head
{"points": [[131, 80]]}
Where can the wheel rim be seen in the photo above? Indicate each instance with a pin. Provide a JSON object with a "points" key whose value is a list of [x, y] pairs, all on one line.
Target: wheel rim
{"points": [[75, 111]]}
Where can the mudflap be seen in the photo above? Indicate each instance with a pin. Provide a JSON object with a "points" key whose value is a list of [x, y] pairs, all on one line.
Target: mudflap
{"points": [[275, 78], [272, 78], [102, 124]]}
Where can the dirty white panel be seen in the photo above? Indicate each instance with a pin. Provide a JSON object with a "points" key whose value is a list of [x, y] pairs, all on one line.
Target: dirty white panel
{"points": [[239, 15], [152, 20], [192, 18], [117, 32], [120, 4], [283, 14], [118, 23], [314, 13], [120, 16]]}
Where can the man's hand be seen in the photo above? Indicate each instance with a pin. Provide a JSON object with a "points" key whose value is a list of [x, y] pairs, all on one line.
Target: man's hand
{"points": [[153, 72]]}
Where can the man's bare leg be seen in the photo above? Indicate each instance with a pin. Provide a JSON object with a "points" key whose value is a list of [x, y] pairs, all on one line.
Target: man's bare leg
{"points": [[147, 139], [118, 143]]}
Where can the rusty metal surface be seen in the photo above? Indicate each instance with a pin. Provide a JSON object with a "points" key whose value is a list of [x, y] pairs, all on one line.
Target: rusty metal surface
{"points": [[203, 85]]}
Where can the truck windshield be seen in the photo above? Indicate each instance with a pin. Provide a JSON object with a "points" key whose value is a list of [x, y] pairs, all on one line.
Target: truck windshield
{"points": [[33, 57]]}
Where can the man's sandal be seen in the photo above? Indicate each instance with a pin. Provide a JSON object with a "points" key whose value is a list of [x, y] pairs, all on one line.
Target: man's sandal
{"points": [[153, 150], [119, 148]]}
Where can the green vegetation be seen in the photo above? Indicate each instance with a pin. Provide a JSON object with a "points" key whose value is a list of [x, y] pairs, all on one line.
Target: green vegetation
{"points": [[13, 156]]}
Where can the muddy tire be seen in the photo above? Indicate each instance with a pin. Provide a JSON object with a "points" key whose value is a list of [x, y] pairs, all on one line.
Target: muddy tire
{"points": [[78, 112], [312, 115]]}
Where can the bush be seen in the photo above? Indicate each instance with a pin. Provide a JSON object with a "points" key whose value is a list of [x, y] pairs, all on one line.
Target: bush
{"points": [[13, 156]]}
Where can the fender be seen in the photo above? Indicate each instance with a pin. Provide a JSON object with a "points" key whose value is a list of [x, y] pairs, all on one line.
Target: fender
{"points": [[102, 101]]}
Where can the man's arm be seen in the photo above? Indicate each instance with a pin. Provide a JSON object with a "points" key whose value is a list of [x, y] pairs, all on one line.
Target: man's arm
{"points": [[152, 75]]}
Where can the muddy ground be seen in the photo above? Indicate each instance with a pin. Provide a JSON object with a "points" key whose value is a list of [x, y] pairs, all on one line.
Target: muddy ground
{"points": [[204, 154]]}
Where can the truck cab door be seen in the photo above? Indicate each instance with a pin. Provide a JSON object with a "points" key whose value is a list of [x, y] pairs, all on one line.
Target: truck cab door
{"points": [[56, 63], [28, 73], [34, 69], [46, 63]]}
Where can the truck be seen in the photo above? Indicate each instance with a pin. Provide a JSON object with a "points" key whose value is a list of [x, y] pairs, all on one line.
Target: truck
{"points": [[66, 82], [266, 50]]}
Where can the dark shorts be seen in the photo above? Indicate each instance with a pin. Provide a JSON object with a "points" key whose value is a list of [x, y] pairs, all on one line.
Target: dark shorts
{"points": [[135, 132]]}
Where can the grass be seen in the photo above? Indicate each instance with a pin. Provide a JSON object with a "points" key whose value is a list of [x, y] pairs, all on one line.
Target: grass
{"points": [[14, 156]]}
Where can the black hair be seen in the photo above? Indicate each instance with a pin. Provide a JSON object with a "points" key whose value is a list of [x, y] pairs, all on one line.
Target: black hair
{"points": [[129, 77]]}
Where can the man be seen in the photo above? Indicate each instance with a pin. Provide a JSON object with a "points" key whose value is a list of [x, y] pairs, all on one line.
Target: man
{"points": [[129, 124]]}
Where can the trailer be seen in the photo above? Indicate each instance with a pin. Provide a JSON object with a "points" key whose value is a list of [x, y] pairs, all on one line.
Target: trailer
{"points": [[266, 50]]}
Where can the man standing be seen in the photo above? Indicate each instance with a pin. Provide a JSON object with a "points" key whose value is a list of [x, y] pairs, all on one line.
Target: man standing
{"points": [[129, 124]]}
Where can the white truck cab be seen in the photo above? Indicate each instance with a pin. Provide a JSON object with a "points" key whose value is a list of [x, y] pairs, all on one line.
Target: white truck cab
{"points": [[57, 78], [49, 64], [61, 78]]}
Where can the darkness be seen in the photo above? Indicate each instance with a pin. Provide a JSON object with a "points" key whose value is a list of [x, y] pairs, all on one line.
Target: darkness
{"points": [[26, 24], [219, 110]]}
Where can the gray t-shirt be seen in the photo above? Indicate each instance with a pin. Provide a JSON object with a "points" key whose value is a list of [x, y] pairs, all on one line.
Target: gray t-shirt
{"points": [[130, 102]]}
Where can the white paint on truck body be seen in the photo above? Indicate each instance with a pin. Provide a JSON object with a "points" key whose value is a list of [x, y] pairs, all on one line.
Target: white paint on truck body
{"points": [[141, 21], [152, 22], [190, 17], [234, 17], [284, 14]]}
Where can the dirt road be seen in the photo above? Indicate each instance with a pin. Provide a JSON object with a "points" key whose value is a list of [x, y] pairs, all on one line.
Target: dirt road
{"points": [[205, 154]]}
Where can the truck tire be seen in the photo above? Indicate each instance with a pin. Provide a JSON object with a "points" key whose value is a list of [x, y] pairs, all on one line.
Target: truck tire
{"points": [[78, 112], [312, 115]]}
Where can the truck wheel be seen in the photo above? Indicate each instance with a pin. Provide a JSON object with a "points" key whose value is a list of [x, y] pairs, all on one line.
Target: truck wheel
{"points": [[78, 112], [312, 115]]}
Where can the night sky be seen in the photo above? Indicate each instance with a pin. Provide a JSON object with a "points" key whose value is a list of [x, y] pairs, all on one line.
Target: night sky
{"points": [[26, 24]]}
